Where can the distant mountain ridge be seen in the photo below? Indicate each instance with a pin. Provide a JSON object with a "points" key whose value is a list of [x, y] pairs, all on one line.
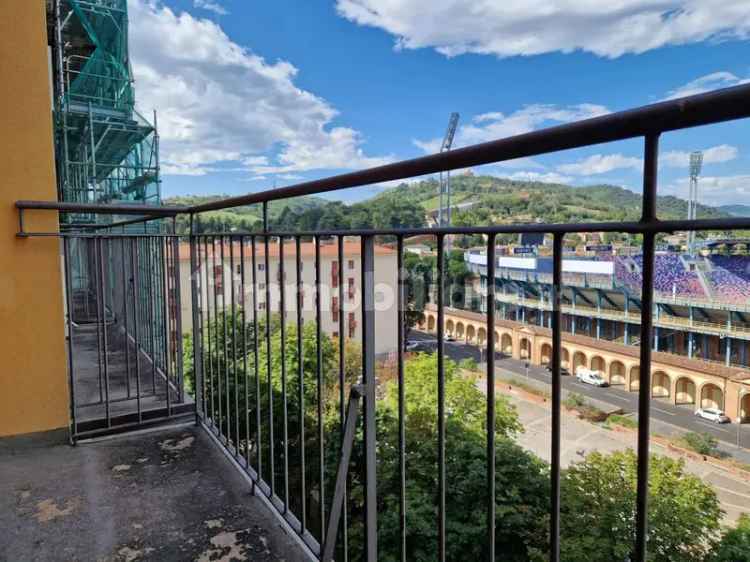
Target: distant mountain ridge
{"points": [[736, 210]]}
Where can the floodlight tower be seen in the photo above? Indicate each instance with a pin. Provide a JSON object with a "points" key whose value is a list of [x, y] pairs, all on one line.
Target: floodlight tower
{"points": [[445, 185], [696, 163]]}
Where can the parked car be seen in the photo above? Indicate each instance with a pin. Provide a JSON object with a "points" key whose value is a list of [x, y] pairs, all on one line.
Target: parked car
{"points": [[588, 376], [449, 338], [712, 414], [563, 371]]}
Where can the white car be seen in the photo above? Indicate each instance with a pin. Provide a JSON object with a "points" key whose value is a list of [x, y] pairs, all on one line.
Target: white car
{"points": [[712, 414], [590, 377]]}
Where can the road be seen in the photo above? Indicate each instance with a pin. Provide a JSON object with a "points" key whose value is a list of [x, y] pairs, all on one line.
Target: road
{"points": [[661, 409]]}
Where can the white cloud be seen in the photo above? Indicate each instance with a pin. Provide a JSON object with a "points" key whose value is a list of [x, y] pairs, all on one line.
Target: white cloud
{"points": [[210, 6], [220, 103], [496, 125], [713, 81], [713, 155], [522, 27], [714, 190], [601, 164]]}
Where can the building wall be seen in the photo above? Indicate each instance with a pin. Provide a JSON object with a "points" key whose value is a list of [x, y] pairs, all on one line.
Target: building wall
{"points": [[33, 378], [385, 287]]}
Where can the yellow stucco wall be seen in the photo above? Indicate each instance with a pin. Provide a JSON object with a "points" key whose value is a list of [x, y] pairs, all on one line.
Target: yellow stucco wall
{"points": [[33, 378]]}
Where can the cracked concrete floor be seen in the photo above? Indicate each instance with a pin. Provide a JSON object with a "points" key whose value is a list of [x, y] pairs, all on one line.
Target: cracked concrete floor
{"points": [[164, 495]]}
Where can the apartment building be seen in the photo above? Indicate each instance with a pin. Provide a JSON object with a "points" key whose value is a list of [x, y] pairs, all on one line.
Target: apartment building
{"points": [[221, 277]]}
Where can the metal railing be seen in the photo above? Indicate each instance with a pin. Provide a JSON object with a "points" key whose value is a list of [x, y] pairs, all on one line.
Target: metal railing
{"points": [[252, 437]]}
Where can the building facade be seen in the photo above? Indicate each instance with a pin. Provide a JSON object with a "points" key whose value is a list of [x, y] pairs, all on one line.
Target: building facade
{"points": [[267, 275]]}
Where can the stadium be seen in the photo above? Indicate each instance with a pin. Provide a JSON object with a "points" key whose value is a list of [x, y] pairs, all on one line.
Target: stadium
{"points": [[701, 335]]}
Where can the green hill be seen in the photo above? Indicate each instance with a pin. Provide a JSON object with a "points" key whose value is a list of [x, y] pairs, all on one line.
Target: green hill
{"points": [[489, 200], [242, 219], [477, 200]]}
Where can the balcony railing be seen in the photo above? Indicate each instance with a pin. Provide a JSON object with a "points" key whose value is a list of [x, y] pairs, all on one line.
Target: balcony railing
{"points": [[273, 426]]}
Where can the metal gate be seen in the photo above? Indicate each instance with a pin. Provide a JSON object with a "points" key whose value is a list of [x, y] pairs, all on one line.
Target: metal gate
{"points": [[124, 331]]}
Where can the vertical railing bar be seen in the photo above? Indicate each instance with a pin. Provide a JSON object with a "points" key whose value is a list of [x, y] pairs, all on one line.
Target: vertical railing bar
{"points": [[244, 351], [441, 397], [163, 270], [256, 341], [282, 357], [71, 373], [401, 319], [226, 428], [342, 397], [105, 351], [219, 420], [269, 370], [210, 286], [136, 325], [301, 379], [368, 379], [319, 386], [234, 349], [491, 397], [650, 175], [557, 256], [149, 243], [196, 292], [179, 350], [94, 261], [125, 317]]}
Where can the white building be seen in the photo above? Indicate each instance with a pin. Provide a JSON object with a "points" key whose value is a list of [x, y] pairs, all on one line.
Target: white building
{"points": [[215, 278]]}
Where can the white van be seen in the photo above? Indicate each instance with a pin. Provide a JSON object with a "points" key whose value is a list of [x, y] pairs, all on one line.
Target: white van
{"points": [[588, 376]]}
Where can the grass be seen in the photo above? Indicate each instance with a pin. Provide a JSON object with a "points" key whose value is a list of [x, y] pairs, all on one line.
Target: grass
{"points": [[624, 421]]}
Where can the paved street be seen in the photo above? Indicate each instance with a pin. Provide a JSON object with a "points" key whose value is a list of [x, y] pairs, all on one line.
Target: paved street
{"points": [[580, 438], [661, 410]]}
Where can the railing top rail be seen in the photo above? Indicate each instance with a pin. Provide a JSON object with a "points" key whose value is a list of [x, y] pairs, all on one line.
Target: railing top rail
{"points": [[702, 109]]}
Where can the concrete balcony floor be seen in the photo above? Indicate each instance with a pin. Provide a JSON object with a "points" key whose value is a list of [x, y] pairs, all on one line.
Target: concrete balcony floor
{"points": [[163, 494]]}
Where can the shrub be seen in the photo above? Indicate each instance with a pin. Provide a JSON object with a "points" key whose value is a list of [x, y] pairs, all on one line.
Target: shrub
{"points": [[701, 443]]}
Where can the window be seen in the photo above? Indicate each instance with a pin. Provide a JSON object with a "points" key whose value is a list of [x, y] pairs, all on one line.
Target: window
{"points": [[261, 306], [334, 274], [261, 267], [218, 275], [335, 309], [352, 325], [261, 286], [335, 334], [239, 269], [351, 264], [351, 288]]}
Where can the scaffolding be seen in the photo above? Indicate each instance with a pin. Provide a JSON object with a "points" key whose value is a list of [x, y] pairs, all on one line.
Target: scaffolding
{"points": [[106, 152]]}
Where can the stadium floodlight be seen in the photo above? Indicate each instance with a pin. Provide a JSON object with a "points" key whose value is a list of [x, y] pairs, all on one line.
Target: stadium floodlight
{"points": [[696, 163]]}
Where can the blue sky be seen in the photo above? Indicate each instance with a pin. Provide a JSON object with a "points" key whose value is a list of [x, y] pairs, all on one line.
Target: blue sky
{"points": [[255, 94]]}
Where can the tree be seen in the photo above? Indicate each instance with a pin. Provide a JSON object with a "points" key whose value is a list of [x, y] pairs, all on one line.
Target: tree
{"points": [[735, 543], [521, 479], [417, 283], [598, 510]]}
